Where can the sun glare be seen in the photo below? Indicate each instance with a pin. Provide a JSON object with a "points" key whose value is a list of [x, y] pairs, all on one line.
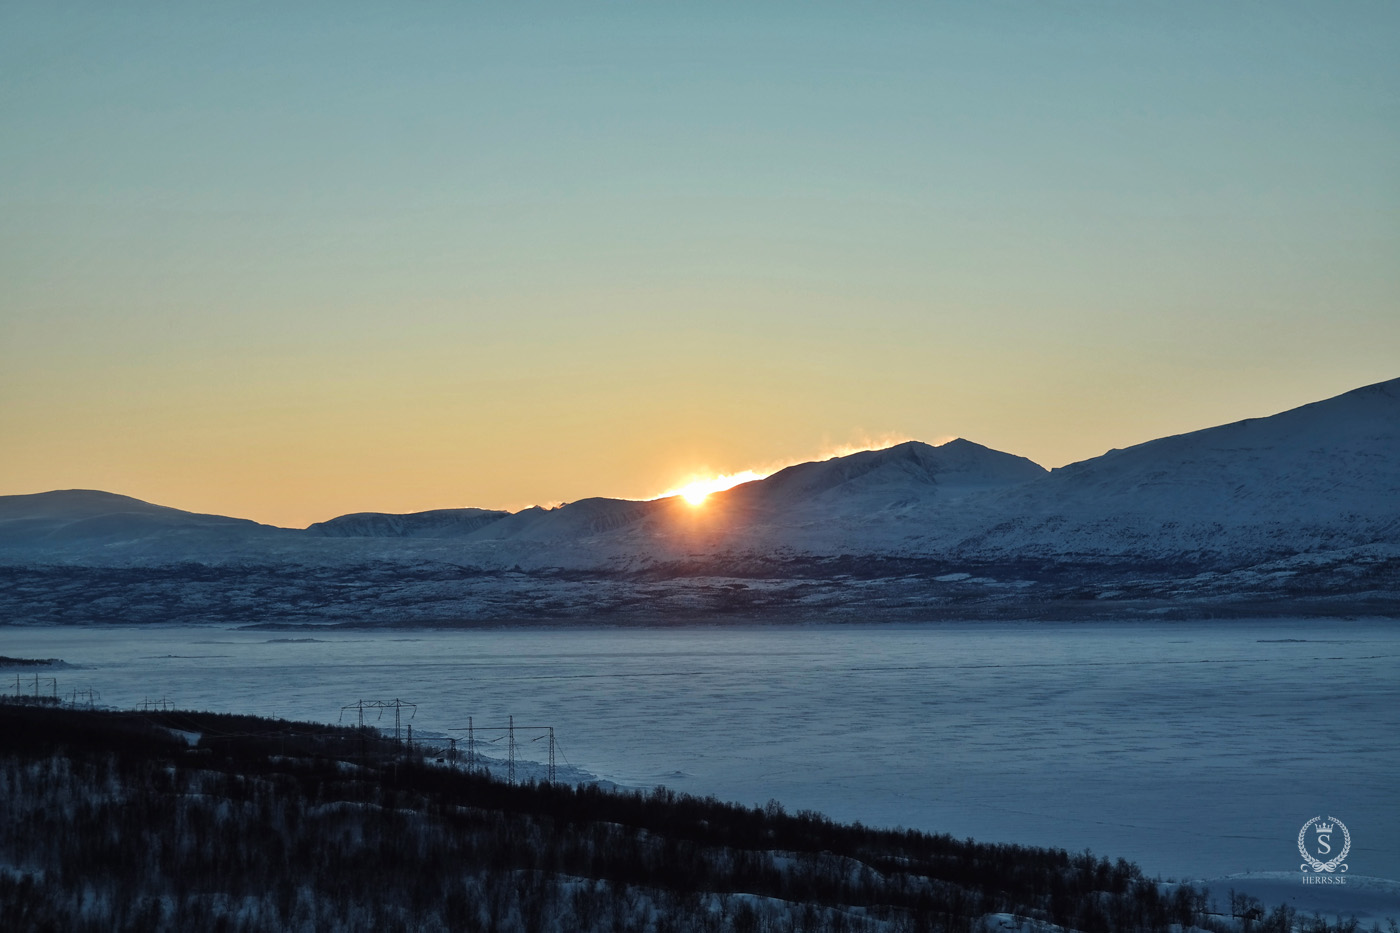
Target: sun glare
{"points": [[698, 487], [697, 490]]}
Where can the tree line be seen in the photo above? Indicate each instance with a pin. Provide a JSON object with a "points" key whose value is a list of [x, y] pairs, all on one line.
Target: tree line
{"points": [[115, 821]]}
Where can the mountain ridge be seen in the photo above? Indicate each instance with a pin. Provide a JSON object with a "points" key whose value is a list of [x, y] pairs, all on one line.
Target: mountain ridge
{"points": [[1282, 510]]}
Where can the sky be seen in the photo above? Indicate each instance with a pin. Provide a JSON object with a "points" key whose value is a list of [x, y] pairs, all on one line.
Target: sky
{"points": [[288, 261]]}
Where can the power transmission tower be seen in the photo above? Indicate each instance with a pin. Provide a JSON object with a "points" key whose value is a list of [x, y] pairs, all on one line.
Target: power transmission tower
{"points": [[508, 732], [395, 704], [398, 705], [359, 707], [90, 694], [550, 730]]}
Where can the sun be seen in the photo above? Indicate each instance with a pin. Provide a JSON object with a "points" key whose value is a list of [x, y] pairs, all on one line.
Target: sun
{"points": [[698, 489], [695, 493]]}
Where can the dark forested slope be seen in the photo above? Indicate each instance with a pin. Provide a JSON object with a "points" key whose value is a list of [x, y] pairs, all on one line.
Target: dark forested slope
{"points": [[193, 821]]}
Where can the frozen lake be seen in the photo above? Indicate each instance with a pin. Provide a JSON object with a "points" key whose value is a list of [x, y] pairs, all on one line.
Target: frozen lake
{"points": [[1194, 749]]}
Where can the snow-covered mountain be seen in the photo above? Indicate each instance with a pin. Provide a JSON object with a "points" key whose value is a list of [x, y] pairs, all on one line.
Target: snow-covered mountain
{"points": [[1308, 499], [436, 523], [84, 519], [872, 503], [780, 511], [1320, 477], [569, 523], [886, 478]]}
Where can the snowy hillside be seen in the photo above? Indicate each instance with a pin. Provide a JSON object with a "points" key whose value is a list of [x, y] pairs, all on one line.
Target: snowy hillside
{"points": [[1319, 477], [569, 523], [885, 478]]}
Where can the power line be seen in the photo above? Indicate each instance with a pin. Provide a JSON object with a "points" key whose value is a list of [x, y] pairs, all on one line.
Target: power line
{"points": [[508, 732], [91, 695], [51, 682], [395, 704]]}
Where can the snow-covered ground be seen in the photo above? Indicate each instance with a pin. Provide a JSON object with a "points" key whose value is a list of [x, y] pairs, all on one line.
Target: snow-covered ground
{"points": [[1369, 900], [1195, 749]]}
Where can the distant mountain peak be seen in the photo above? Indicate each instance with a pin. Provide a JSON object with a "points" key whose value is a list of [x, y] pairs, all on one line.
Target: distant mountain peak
{"points": [[898, 471]]}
